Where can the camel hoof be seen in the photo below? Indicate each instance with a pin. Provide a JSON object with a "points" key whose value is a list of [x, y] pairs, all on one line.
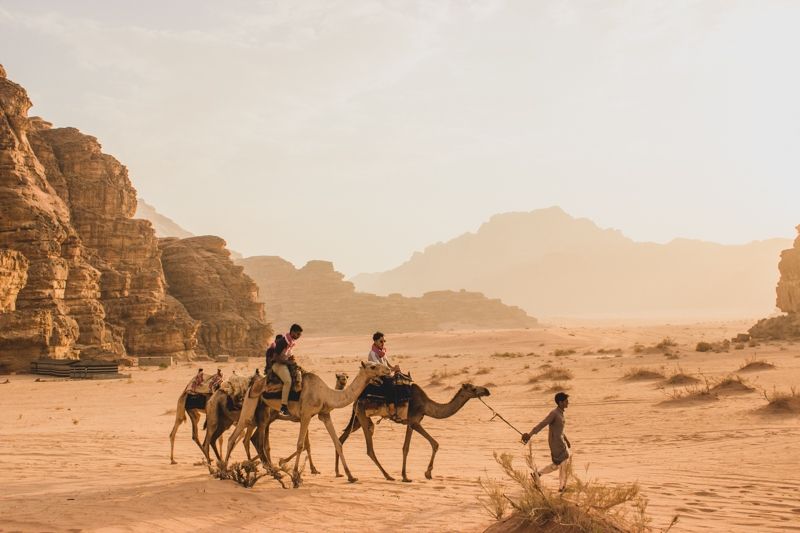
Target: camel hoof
{"points": [[406, 480], [339, 475], [428, 475], [173, 462], [315, 472], [352, 479], [389, 478]]}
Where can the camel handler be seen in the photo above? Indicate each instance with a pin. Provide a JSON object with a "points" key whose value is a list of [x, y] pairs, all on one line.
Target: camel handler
{"points": [[558, 441], [279, 356]]}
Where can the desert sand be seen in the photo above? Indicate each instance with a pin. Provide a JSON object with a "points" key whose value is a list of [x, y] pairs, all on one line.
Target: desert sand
{"points": [[94, 455]]}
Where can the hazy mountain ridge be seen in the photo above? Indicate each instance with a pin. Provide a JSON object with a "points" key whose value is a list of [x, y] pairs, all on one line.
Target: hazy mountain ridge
{"points": [[549, 263]]}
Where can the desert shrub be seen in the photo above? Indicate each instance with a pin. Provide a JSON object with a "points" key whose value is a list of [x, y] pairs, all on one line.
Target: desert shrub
{"points": [[589, 505], [638, 373], [440, 374], [508, 355], [722, 346], [782, 402], [557, 387], [679, 377], [483, 371], [751, 364], [244, 473], [610, 351], [562, 353], [555, 374], [666, 342], [731, 383]]}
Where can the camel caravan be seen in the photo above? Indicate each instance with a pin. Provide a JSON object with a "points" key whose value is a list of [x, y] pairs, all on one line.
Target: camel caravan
{"points": [[288, 393]]}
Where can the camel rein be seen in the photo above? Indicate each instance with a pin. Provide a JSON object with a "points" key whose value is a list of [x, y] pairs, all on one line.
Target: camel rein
{"points": [[495, 414]]}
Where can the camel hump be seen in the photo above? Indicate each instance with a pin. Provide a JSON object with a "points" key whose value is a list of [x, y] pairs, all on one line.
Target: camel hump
{"points": [[257, 388]]}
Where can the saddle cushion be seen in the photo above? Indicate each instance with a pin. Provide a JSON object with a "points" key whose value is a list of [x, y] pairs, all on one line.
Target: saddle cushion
{"points": [[195, 401], [387, 397]]}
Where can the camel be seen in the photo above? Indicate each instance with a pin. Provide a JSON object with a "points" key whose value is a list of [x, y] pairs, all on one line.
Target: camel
{"points": [[316, 399], [221, 413], [180, 417], [419, 405], [219, 417]]}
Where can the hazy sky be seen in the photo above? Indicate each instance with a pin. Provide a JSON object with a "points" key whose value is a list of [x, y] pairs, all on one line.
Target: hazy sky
{"points": [[361, 131]]}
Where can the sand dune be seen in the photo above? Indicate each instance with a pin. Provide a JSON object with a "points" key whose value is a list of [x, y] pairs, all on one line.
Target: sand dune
{"points": [[94, 455]]}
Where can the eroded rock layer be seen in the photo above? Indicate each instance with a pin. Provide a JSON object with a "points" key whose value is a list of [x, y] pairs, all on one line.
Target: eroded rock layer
{"points": [[788, 299], [317, 297], [200, 274]]}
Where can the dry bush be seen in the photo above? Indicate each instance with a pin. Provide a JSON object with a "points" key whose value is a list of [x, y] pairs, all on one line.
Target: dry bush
{"points": [[700, 392], [553, 374], [588, 506], [640, 374], [751, 364], [666, 343], [782, 402], [557, 387], [716, 347], [731, 384], [562, 353], [681, 378], [440, 374], [244, 473], [508, 355], [610, 351], [489, 385], [483, 371]]}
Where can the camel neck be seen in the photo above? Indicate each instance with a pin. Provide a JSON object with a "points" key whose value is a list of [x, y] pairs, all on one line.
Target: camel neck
{"points": [[446, 410], [343, 398]]}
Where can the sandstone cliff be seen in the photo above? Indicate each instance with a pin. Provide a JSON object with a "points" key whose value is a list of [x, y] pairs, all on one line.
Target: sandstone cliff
{"points": [[216, 292], [317, 297], [788, 299], [78, 275]]}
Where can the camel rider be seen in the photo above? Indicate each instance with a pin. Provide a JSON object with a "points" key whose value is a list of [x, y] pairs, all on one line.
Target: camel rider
{"points": [[377, 353], [280, 357]]}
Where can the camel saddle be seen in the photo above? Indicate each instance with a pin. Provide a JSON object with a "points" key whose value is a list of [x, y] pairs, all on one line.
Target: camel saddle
{"points": [[271, 384], [388, 397]]}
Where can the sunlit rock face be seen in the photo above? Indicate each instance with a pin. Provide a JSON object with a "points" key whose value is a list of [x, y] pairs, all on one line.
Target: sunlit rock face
{"points": [[78, 275], [218, 294]]}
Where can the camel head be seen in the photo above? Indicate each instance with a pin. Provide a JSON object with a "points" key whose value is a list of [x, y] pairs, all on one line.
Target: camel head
{"points": [[374, 370], [473, 391], [341, 380]]}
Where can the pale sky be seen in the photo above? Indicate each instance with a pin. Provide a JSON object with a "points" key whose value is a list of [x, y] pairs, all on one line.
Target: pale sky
{"points": [[359, 132]]}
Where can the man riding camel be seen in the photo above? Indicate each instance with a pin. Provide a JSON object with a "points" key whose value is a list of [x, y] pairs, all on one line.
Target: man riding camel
{"points": [[377, 354], [279, 357]]}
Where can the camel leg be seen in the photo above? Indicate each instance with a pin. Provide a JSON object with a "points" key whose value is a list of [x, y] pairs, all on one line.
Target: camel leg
{"points": [[369, 427], [250, 436], [326, 419], [248, 410], [406, 447], [301, 440], [194, 416], [434, 447], [352, 427], [178, 422]]}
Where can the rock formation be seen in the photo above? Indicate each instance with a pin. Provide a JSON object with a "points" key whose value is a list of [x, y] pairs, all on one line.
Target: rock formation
{"points": [[317, 297], [200, 274], [788, 299], [79, 277]]}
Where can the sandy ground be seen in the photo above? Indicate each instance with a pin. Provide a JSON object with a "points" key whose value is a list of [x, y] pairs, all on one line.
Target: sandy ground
{"points": [[94, 455]]}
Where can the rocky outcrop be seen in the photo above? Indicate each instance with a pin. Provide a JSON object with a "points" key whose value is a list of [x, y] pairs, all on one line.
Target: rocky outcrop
{"points": [[124, 250], [789, 285], [788, 299], [13, 275], [218, 294], [317, 297], [80, 277], [35, 222]]}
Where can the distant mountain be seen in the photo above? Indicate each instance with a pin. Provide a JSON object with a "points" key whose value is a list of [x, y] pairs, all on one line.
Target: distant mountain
{"points": [[164, 226], [552, 264], [317, 297]]}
